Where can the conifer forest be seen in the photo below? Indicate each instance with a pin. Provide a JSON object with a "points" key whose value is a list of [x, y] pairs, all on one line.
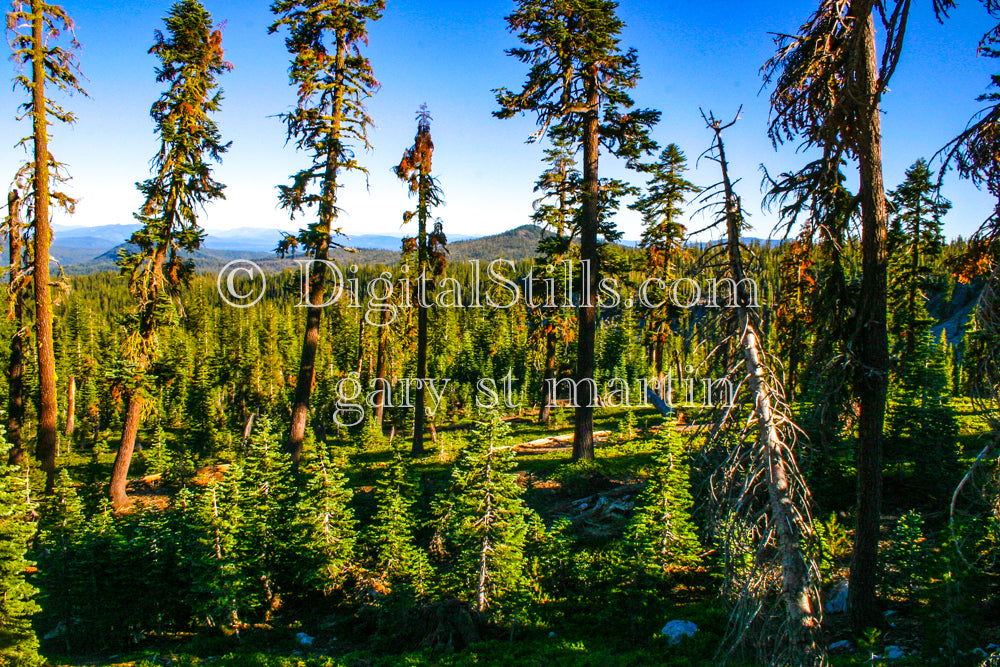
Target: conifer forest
{"points": [[667, 417]]}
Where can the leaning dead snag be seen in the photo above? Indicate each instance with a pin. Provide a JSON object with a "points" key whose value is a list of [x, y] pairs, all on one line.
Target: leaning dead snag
{"points": [[764, 502]]}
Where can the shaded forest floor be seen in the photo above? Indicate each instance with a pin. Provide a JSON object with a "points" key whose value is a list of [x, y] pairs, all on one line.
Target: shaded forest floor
{"points": [[610, 624]]}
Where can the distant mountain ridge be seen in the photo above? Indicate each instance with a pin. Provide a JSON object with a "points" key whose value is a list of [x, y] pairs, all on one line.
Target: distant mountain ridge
{"points": [[92, 249], [262, 239], [82, 250]]}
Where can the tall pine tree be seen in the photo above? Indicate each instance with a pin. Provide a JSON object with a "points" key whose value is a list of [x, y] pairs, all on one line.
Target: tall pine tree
{"points": [[332, 81], [35, 26], [415, 170], [556, 210], [578, 85], [663, 233], [915, 243], [191, 59]]}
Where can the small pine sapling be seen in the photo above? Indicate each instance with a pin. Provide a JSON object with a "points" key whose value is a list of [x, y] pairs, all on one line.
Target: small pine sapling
{"points": [[266, 534], [661, 537], [627, 427], [216, 560], [391, 537], [905, 557], [329, 526], [484, 518], [371, 436]]}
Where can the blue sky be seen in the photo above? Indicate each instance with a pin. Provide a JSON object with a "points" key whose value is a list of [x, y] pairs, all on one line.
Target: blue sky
{"points": [[450, 54]]}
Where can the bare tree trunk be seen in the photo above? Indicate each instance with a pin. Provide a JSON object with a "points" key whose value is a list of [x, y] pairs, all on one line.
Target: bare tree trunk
{"points": [[381, 370], [800, 602], [583, 429], [248, 427], [307, 362], [48, 434], [548, 378], [317, 279], [133, 415], [123, 459], [361, 342], [419, 415], [873, 346], [660, 333], [423, 301], [71, 406], [15, 369]]}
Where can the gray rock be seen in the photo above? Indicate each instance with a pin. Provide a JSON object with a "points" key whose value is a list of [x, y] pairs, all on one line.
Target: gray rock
{"points": [[842, 645], [674, 631], [837, 604], [304, 639], [894, 653]]}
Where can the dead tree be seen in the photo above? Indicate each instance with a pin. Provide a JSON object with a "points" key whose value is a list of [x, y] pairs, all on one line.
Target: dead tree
{"points": [[15, 369], [764, 523]]}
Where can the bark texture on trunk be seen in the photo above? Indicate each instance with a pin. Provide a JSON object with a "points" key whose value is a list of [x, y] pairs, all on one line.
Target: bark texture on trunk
{"points": [[123, 459], [133, 414], [583, 428], [872, 346], [71, 406], [48, 433], [307, 361]]}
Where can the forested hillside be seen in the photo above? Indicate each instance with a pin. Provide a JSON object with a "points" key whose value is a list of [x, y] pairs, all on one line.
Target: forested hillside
{"points": [[547, 446]]}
